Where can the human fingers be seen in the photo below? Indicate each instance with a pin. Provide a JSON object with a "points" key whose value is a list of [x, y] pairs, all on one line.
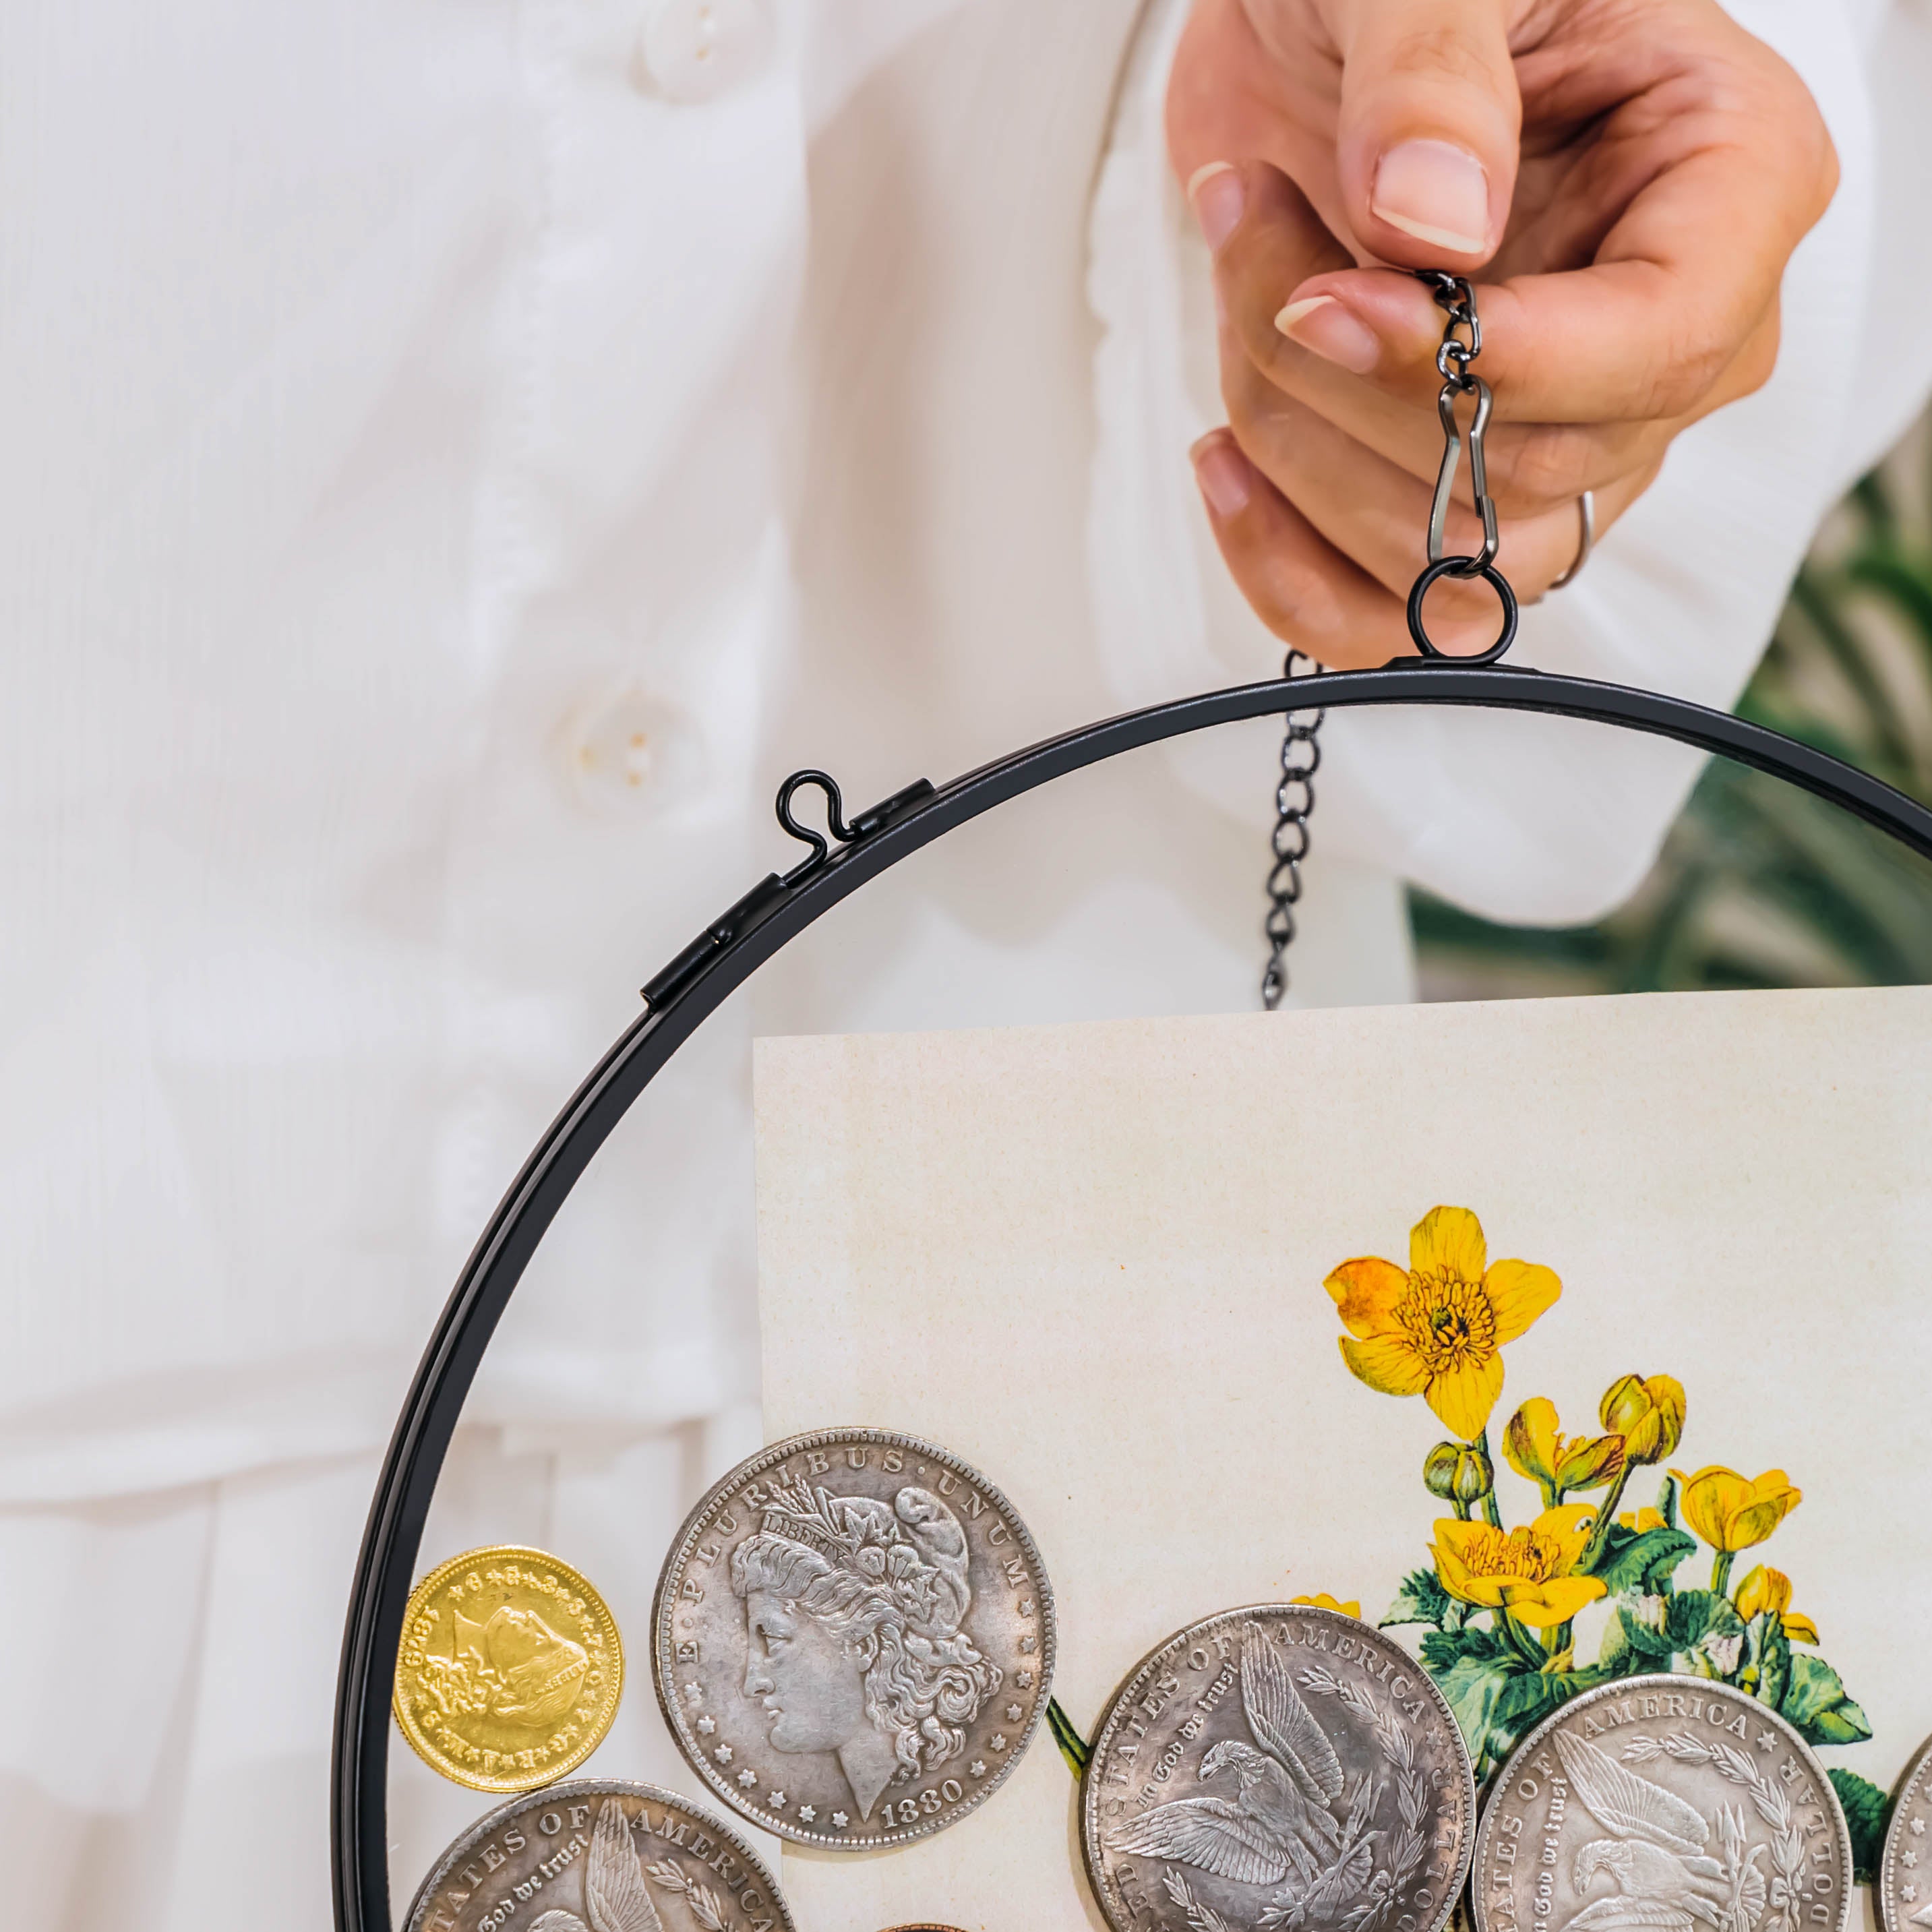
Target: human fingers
{"points": [[1262, 232], [1710, 163], [1425, 143], [1377, 514], [1300, 586]]}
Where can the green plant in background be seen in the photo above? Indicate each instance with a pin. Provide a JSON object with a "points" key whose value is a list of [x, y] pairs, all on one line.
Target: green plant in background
{"points": [[1760, 884]]}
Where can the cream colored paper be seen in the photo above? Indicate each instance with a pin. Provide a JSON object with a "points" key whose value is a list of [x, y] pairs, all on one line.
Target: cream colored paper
{"points": [[1089, 1259]]}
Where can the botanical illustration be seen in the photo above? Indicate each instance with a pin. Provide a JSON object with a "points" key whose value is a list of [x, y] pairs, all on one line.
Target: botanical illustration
{"points": [[1295, 1823], [1497, 1603]]}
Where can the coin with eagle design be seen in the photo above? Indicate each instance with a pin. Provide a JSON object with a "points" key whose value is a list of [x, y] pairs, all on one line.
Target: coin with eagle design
{"points": [[1282, 1766]]}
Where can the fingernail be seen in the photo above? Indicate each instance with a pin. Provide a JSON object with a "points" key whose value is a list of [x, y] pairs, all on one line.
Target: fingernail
{"points": [[1222, 471], [1217, 197], [1435, 191], [1320, 322]]}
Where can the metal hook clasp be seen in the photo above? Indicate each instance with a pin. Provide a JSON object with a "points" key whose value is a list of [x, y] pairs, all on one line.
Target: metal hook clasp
{"points": [[1479, 474], [835, 818]]}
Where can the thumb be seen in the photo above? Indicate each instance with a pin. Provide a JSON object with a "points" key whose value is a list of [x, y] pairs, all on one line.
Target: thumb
{"points": [[1426, 144]]}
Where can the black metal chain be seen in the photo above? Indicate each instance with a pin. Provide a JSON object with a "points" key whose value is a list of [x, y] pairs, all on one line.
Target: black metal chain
{"points": [[1293, 801], [1300, 746]]}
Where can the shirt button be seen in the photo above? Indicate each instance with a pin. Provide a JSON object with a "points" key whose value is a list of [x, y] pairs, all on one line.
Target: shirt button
{"points": [[628, 751], [694, 50]]}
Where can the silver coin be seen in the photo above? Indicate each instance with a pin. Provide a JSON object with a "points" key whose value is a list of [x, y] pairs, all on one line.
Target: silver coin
{"points": [[1279, 1766], [853, 1638], [599, 1855], [1903, 1892], [1662, 1802]]}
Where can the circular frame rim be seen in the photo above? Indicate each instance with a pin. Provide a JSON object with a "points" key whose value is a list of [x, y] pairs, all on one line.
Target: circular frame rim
{"points": [[726, 954]]}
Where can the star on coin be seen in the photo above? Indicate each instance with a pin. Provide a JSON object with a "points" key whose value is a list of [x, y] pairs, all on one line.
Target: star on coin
{"points": [[707, 1725], [1918, 1827], [1765, 1741], [1014, 1714], [747, 1778], [839, 1819], [776, 1801], [723, 1753], [1908, 1859], [1024, 1679], [1028, 1643], [1026, 1606], [997, 1740], [694, 1693], [1908, 1893], [808, 1812], [978, 1767]]}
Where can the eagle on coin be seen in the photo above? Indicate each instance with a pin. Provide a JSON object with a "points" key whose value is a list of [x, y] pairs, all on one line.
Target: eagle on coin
{"points": [[614, 1893], [1281, 1826], [1657, 1855]]}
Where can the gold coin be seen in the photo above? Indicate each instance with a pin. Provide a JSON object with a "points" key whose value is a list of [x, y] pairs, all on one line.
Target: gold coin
{"points": [[510, 1671]]}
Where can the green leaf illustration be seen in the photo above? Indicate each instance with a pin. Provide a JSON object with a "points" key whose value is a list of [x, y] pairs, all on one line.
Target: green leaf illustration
{"points": [[1525, 1701], [1766, 1670], [1815, 1701], [1472, 1685], [1421, 1600], [1641, 1562], [1867, 1812], [1629, 1646], [1692, 1615]]}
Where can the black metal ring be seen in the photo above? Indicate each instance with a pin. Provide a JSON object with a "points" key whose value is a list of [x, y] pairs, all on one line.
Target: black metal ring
{"points": [[1462, 566], [777, 914]]}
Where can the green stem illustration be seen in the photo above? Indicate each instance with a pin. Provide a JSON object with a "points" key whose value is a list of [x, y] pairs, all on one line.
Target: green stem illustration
{"points": [[1607, 1515], [1491, 1514], [1720, 1572]]}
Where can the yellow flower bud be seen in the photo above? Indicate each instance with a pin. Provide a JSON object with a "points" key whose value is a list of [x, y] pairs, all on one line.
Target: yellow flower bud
{"points": [[1648, 1412], [1731, 1512], [1558, 1462], [1458, 1471], [1767, 1589], [1322, 1600], [1763, 1589]]}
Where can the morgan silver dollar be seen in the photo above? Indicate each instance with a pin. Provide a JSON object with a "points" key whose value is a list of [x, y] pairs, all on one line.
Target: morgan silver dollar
{"points": [[1669, 1804], [597, 1855], [853, 1638], [1903, 1892], [1279, 1766]]}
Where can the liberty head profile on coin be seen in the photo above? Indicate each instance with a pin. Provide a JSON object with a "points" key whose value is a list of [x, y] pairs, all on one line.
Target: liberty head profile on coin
{"points": [[510, 1668], [1663, 1804], [853, 1638], [1279, 1766]]}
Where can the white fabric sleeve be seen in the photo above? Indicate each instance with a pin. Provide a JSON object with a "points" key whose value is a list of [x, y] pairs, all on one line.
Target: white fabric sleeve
{"points": [[1525, 818]]}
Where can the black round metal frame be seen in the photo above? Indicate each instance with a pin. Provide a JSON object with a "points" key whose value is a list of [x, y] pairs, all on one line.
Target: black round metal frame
{"points": [[727, 952]]}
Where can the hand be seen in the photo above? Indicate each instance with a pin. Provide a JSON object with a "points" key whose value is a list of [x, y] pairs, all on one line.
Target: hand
{"points": [[1633, 173]]}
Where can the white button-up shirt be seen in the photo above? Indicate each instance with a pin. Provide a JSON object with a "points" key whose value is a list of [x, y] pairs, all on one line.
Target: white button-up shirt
{"points": [[457, 458]]}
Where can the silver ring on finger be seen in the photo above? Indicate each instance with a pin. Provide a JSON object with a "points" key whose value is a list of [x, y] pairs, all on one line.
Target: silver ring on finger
{"points": [[1586, 538]]}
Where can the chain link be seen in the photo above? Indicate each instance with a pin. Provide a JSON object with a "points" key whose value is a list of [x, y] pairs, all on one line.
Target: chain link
{"points": [[1293, 801], [1301, 745]]}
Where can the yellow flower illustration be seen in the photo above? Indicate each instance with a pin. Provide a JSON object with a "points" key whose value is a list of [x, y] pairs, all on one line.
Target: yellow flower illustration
{"points": [[1642, 1519], [1648, 1412], [1764, 1589], [1731, 1512], [1524, 1571], [1437, 1329], [1322, 1600], [1536, 1449]]}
